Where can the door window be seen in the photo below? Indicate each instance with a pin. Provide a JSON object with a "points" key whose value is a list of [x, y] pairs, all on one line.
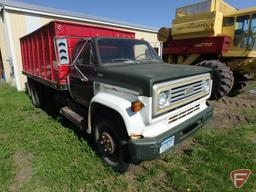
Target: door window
{"points": [[228, 21], [242, 31], [252, 35]]}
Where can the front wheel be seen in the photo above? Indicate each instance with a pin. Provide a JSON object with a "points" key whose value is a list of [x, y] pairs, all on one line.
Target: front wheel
{"points": [[109, 145], [223, 78]]}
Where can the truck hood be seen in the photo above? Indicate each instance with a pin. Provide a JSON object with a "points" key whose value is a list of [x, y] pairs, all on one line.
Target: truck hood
{"points": [[142, 77]]}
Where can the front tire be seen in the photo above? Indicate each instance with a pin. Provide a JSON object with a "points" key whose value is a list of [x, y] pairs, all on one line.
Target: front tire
{"points": [[223, 78], [109, 144]]}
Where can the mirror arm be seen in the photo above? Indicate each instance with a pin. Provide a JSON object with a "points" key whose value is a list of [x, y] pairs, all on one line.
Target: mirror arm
{"points": [[75, 60], [84, 78]]}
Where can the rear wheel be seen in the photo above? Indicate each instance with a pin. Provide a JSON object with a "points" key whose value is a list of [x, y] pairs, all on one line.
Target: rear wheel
{"points": [[223, 78], [37, 94], [28, 89], [109, 144]]}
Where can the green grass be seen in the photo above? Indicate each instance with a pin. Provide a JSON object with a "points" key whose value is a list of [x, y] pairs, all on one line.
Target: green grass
{"points": [[38, 153], [251, 85]]}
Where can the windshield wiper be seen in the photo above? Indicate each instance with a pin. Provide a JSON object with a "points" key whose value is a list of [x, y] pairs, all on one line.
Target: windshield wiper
{"points": [[147, 60], [122, 59]]}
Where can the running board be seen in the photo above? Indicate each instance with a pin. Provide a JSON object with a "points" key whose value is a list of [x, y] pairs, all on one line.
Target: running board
{"points": [[71, 115]]}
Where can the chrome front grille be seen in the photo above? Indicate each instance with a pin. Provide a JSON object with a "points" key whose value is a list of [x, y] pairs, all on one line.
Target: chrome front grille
{"points": [[185, 91], [183, 113], [181, 92]]}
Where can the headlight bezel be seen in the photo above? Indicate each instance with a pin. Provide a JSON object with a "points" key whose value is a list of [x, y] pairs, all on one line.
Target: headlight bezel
{"points": [[164, 95], [206, 84]]}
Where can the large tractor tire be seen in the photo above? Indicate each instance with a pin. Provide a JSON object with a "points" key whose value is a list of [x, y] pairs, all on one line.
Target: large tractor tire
{"points": [[223, 78]]}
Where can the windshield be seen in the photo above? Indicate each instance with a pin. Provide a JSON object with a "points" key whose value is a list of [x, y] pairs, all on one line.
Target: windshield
{"points": [[125, 50], [201, 7]]}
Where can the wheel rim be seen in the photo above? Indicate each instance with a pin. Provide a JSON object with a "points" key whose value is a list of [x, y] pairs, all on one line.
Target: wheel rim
{"points": [[107, 143]]}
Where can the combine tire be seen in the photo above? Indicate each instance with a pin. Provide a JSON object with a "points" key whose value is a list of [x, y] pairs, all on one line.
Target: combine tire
{"points": [[223, 78]]}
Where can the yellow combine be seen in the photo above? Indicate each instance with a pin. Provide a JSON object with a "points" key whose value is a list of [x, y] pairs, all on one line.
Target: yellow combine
{"points": [[216, 35]]}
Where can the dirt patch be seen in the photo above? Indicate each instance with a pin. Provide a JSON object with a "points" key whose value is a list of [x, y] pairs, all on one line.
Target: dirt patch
{"points": [[186, 146], [132, 174], [23, 164], [135, 171], [228, 110], [2, 136], [253, 137], [147, 173]]}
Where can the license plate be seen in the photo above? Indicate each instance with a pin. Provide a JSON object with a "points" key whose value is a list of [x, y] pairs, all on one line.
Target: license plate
{"points": [[167, 144]]}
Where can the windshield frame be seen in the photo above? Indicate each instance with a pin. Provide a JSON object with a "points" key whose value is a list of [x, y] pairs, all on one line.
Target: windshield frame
{"points": [[153, 53]]}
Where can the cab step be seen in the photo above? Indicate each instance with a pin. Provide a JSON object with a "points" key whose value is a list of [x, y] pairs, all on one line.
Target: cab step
{"points": [[74, 117]]}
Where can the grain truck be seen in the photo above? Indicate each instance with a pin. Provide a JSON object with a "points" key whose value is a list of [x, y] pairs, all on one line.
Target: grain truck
{"points": [[116, 88], [214, 34]]}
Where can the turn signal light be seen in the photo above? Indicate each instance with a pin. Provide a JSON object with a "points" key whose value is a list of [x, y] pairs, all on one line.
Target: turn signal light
{"points": [[134, 137], [137, 106]]}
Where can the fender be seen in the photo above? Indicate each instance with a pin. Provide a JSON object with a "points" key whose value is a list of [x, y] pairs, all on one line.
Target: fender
{"points": [[133, 121]]}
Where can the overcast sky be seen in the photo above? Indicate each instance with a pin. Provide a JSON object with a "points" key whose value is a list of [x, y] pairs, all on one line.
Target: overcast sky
{"points": [[151, 13]]}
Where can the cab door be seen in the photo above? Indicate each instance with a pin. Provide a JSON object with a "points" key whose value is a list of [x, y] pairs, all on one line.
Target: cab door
{"points": [[252, 34], [242, 29], [241, 35], [83, 72], [245, 32]]}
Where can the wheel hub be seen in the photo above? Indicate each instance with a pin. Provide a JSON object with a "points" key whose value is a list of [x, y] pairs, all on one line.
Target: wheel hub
{"points": [[107, 143]]}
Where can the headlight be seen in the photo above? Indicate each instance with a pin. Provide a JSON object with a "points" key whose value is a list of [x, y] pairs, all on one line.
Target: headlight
{"points": [[206, 85], [163, 99]]}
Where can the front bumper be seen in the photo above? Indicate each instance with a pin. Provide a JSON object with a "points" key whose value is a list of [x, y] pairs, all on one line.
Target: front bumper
{"points": [[148, 148]]}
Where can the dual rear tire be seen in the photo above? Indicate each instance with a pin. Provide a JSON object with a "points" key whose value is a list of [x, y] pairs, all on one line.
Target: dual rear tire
{"points": [[36, 92]]}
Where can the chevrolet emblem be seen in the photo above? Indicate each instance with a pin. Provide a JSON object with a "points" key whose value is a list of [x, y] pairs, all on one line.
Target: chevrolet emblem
{"points": [[189, 90]]}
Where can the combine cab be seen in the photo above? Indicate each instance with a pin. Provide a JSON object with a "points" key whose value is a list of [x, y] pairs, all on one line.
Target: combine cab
{"points": [[216, 35]]}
